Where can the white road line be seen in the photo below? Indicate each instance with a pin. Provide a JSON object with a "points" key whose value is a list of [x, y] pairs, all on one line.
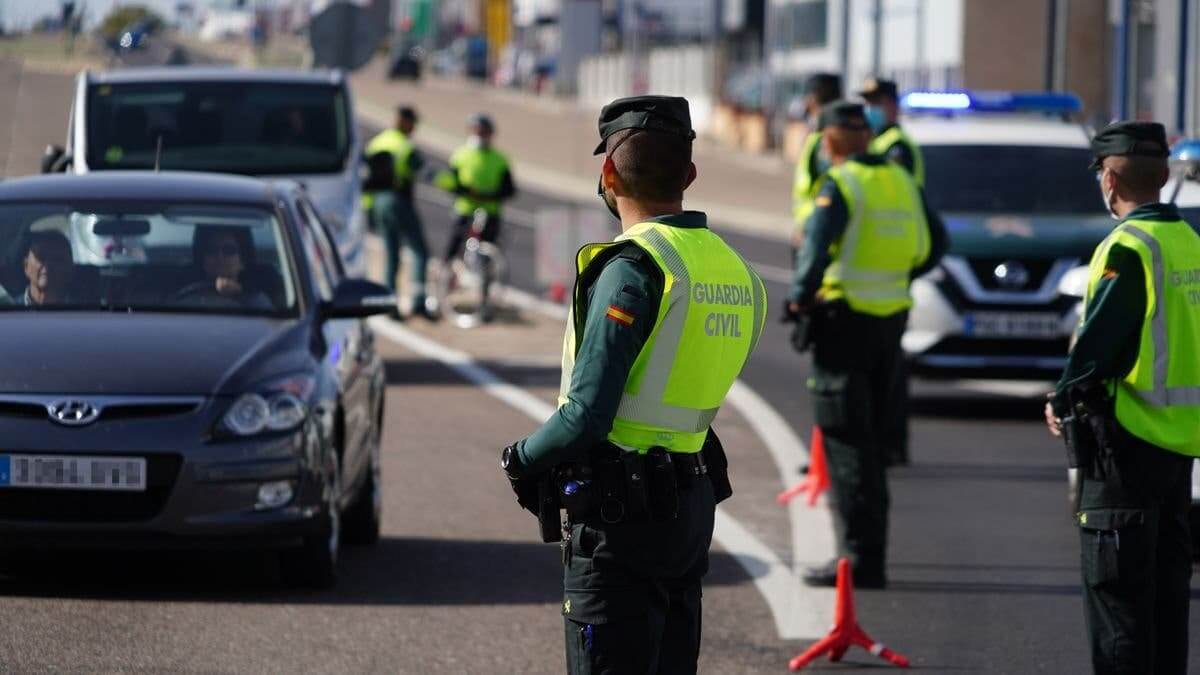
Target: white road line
{"points": [[799, 612]]}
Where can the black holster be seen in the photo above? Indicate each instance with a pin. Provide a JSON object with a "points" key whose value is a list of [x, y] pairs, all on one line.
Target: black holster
{"points": [[718, 466], [1089, 430], [549, 509]]}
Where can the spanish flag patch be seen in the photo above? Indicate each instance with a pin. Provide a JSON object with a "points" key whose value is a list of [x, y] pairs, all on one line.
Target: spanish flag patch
{"points": [[1109, 274], [617, 314]]}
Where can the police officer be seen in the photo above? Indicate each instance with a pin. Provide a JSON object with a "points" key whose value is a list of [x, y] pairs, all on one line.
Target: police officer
{"points": [[1135, 372], [869, 235], [480, 177], [395, 162], [819, 90], [663, 320], [883, 112]]}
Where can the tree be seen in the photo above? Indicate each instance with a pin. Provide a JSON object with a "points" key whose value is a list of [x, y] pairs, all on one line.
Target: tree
{"points": [[121, 19]]}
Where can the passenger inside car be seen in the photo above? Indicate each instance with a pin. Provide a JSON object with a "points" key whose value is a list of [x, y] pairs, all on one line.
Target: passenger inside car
{"points": [[224, 255]]}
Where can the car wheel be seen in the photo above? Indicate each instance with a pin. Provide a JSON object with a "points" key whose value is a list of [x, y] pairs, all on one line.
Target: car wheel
{"points": [[314, 565], [364, 518]]}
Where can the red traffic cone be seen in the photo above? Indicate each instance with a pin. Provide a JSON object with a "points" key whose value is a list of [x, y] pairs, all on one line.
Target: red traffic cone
{"points": [[817, 480], [845, 632]]}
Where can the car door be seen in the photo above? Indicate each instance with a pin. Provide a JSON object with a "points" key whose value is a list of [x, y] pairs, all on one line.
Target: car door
{"points": [[346, 347]]}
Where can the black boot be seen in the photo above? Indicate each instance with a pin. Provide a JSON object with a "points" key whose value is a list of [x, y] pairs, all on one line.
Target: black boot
{"points": [[825, 576]]}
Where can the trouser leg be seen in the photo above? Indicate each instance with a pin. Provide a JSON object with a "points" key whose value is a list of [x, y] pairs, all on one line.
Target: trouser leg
{"points": [[384, 215], [413, 236], [895, 429], [1173, 573], [461, 227]]}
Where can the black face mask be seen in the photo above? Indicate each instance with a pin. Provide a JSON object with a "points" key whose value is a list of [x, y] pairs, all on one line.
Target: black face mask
{"points": [[611, 204]]}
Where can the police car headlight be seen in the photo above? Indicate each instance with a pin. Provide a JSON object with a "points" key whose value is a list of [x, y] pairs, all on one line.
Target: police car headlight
{"points": [[280, 408], [1075, 282]]}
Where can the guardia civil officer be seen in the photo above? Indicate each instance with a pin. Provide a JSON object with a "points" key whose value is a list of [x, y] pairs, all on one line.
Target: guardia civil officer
{"points": [[1129, 401], [883, 112], [388, 194], [480, 177], [819, 90], [869, 235], [663, 320]]}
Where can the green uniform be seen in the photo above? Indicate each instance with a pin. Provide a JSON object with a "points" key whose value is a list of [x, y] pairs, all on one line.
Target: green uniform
{"points": [[871, 232], [1133, 518], [809, 170], [643, 307], [898, 147], [394, 213]]}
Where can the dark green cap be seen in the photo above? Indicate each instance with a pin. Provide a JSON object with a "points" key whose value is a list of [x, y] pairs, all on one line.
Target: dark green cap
{"points": [[667, 114], [875, 87], [845, 114], [1123, 139]]}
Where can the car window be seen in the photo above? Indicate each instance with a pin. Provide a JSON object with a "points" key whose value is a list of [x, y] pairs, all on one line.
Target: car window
{"points": [[319, 267], [153, 257], [254, 128], [329, 255], [1010, 180]]}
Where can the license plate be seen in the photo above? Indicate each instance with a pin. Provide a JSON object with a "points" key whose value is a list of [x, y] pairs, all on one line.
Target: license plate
{"points": [[65, 472], [1013, 324]]}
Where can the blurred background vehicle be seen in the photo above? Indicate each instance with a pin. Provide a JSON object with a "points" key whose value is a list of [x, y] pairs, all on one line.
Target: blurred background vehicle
{"points": [[225, 322], [293, 124], [1009, 174], [405, 61]]}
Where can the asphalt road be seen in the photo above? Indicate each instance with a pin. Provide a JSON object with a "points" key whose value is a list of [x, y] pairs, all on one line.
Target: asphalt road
{"points": [[983, 556]]}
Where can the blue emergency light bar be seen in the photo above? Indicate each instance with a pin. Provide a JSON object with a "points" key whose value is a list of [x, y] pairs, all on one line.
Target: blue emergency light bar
{"points": [[1186, 150], [951, 102]]}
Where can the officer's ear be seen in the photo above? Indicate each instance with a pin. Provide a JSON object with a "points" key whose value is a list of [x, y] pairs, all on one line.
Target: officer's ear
{"points": [[691, 176], [609, 176]]}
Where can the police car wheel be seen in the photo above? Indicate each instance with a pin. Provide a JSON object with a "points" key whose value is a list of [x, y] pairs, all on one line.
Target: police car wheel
{"points": [[362, 520], [314, 564]]}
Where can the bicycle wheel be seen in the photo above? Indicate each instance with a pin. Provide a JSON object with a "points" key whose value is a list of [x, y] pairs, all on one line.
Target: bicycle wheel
{"points": [[468, 291]]}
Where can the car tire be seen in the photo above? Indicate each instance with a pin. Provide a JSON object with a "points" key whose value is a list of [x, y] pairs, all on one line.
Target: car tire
{"points": [[314, 564], [363, 519]]}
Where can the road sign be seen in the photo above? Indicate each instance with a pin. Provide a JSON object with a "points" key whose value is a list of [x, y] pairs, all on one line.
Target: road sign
{"points": [[346, 34]]}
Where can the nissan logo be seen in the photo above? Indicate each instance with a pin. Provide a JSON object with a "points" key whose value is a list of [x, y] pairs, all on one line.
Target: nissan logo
{"points": [[73, 413], [1011, 275]]}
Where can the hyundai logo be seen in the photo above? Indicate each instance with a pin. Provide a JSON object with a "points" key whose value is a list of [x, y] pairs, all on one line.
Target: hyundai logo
{"points": [[1012, 275], [73, 413]]}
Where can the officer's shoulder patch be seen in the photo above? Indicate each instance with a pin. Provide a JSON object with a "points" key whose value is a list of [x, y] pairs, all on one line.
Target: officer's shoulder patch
{"points": [[1109, 274], [823, 200], [619, 315]]}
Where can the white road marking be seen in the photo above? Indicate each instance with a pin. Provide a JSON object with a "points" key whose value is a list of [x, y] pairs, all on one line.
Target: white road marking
{"points": [[799, 612]]}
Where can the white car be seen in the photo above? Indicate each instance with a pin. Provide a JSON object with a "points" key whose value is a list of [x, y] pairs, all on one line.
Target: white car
{"points": [[281, 124], [1009, 175]]}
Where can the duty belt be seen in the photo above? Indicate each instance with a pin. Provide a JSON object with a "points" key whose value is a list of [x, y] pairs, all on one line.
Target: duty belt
{"points": [[619, 487]]}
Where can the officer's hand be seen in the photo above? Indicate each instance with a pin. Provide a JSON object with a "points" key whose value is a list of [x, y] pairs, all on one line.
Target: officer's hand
{"points": [[227, 286], [1053, 421], [791, 311]]}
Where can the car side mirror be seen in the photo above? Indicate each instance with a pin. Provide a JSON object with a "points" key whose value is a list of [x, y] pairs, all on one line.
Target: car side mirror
{"points": [[54, 159], [357, 298]]}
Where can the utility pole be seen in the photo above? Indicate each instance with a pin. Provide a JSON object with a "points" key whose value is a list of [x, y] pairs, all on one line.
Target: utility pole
{"points": [[1120, 92], [876, 36]]}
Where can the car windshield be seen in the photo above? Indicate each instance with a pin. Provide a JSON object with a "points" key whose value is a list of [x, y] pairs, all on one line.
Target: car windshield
{"points": [[1007, 179], [249, 128], [144, 257]]}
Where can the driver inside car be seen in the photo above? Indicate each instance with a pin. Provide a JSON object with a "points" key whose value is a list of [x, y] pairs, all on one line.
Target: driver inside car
{"points": [[49, 268], [223, 254]]}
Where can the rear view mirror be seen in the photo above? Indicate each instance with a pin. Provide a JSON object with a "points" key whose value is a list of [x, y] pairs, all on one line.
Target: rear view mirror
{"points": [[121, 227], [356, 298]]}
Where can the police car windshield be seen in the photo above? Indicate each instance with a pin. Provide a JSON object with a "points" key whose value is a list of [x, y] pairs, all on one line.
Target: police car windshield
{"points": [[144, 257], [252, 128], [1009, 179]]}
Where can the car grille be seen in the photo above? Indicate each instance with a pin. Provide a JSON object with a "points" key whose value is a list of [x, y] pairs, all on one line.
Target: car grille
{"points": [[35, 408], [95, 506], [985, 272]]}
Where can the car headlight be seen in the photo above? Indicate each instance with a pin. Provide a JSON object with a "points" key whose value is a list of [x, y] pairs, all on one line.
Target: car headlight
{"points": [[1075, 282], [279, 408]]}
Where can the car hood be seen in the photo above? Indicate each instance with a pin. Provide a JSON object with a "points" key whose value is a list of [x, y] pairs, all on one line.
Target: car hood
{"points": [[998, 235], [146, 354]]}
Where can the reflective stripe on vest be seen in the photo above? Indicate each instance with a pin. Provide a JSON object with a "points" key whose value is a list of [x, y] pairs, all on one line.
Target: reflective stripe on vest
{"points": [[881, 144], [805, 185], [887, 237], [1159, 400], [481, 170], [710, 318]]}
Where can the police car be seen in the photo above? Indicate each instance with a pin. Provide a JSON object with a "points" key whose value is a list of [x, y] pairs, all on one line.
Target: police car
{"points": [[1008, 172]]}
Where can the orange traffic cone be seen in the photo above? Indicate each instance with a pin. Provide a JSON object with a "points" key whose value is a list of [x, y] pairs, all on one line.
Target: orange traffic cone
{"points": [[845, 632], [557, 292], [817, 480]]}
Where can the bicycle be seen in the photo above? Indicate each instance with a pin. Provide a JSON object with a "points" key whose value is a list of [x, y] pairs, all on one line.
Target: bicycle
{"points": [[471, 287]]}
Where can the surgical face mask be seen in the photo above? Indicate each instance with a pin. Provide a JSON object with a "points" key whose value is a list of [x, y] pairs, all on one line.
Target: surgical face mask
{"points": [[476, 141], [1107, 196], [876, 117], [609, 201]]}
